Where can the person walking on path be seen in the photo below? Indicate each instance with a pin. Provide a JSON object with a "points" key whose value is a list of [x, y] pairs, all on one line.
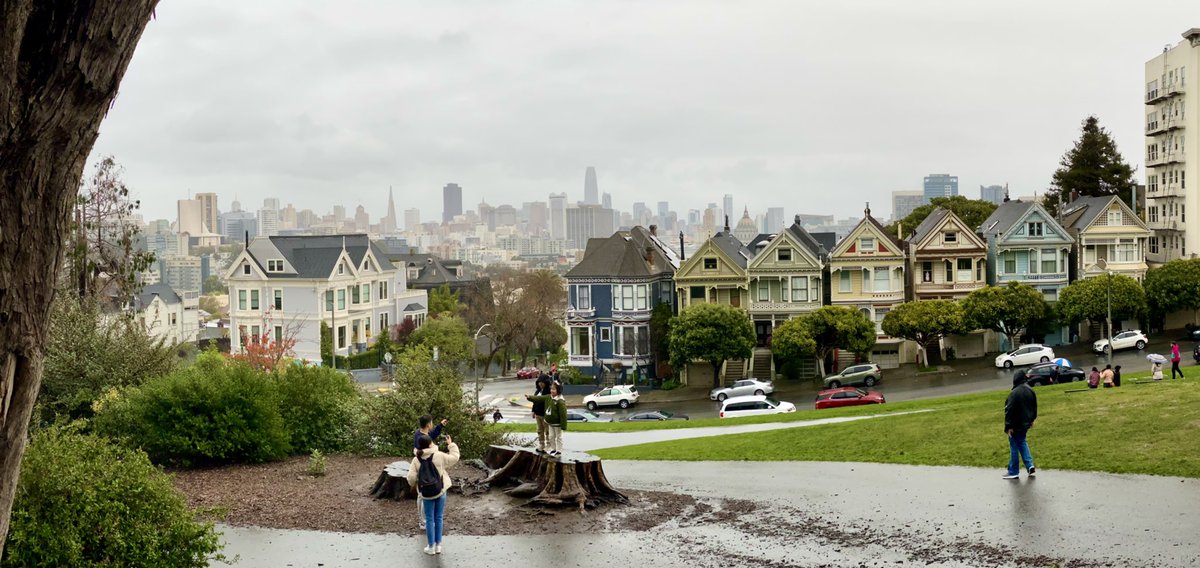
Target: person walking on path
{"points": [[1020, 411], [429, 474], [556, 417], [1106, 376], [425, 428], [1175, 360], [540, 390]]}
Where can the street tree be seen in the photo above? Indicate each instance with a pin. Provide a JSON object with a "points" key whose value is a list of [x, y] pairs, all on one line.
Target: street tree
{"points": [[1088, 299], [791, 341], [60, 66], [973, 212], [1173, 286], [214, 285], [443, 301], [839, 327], [1011, 310], [105, 260], [449, 334], [271, 350], [1092, 167], [660, 334], [925, 322], [713, 333]]}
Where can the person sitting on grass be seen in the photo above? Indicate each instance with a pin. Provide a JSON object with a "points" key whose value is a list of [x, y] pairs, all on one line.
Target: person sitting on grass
{"points": [[1094, 378], [1106, 376], [1156, 371], [556, 417]]}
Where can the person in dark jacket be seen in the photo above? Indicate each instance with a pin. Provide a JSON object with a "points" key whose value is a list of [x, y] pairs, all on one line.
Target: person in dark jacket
{"points": [[1117, 376], [541, 388], [1020, 411]]}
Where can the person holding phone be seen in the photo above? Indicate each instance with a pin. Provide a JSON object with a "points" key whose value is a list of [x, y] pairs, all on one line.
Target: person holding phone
{"points": [[429, 473], [426, 428]]}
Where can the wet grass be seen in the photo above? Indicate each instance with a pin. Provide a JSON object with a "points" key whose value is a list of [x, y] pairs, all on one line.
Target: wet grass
{"points": [[1139, 428]]}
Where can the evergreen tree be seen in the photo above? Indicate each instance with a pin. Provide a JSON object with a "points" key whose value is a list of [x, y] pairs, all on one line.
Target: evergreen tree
{"points": [[1093, 167]]}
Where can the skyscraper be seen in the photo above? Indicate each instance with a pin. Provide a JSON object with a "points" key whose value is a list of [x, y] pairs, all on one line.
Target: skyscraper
{"points": [[903, 203], [451, 202], [591, 189], [728, 205], [940, 185], [993, 193], [606, 200], [208, 211], [388, 224], [412, 219], [190, 218], [663, 209], [774, 219], [588, 221], [558, 215]]}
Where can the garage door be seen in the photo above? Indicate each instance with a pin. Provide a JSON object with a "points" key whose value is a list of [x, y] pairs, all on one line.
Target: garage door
{"points": [[886, 358]]}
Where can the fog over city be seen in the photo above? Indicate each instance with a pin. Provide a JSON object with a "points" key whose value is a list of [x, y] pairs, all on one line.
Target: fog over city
{"points": [[816, 107]]}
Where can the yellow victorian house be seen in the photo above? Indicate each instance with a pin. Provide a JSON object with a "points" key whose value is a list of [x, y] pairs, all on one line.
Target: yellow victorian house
{"points": [[715, 273], [948, 259], [1109, 237], [868, 272]]}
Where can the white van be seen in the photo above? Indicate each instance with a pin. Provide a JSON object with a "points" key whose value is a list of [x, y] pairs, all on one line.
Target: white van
{"points": [[753, 405]]}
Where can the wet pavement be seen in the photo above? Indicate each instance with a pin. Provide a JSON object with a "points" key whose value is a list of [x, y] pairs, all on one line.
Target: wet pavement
{"points": [[822, 514]]}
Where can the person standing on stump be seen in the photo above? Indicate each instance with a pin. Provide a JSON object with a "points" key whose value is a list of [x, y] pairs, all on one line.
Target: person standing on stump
{"points": [[540, 391], [429, 474], [425, 428], [556, 417], [1020, 411]]}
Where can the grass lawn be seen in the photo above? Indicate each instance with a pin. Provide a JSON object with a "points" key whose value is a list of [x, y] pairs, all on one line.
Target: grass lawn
{"points": [[1138, 428]]}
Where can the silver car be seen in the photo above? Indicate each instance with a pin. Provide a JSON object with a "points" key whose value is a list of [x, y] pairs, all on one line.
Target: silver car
{"points": [[744, 387], [864, 374], [586, 416]]}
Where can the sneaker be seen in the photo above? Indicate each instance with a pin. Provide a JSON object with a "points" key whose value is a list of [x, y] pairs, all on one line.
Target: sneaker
{"points": [[430, 550], [422, 524], [1032, 471], [437, 549], [1011, 476]]}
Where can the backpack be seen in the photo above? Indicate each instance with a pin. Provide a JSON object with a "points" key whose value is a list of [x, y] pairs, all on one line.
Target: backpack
{"points": [[429, 479]]}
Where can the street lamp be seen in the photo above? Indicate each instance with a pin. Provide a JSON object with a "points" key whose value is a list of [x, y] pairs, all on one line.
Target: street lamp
{"points": [[475, 360], [1110, 331]]}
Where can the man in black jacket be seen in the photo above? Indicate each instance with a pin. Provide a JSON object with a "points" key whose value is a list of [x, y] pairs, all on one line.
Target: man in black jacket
{"points": [[541, 388], [1020, 411]]}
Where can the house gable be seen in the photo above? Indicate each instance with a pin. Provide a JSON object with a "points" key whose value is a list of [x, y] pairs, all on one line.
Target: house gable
{"points": [[1052, 232], [965, 237], [237, 268], [694, 267], [882, 245], [801, 257], [1130, 223]]}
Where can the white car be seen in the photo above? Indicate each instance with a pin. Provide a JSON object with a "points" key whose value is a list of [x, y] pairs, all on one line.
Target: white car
{"points": [[620, 395], [753, 405], [742, 388], [1025, 355], [1123, 340]]}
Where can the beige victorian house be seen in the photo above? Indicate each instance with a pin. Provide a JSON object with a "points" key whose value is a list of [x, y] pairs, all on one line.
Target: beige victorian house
{"points": [[715, 274], [868, 272], [1109, 236], [947, 259]]}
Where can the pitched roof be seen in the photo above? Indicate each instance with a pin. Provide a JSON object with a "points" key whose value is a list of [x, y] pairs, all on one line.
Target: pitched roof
{"points": [[827, 239], [163, 291], [1080, 213], [315, 256], [733, 248], [1003, 218], [929, 224], [623, 254]]}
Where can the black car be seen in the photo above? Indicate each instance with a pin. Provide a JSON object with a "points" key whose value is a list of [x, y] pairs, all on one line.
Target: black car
{"points": [[654, 416], [1051, 373]]}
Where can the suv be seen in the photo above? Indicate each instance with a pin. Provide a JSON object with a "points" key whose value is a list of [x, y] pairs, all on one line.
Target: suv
{"points": [[1044, 374], [1124, 340], [741, 388], [864, 374], [620, 395], [753, 405]]}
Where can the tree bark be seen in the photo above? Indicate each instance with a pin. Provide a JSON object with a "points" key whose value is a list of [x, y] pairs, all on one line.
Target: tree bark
{"points": [[717, 373], [572, 479], [60, 66]]}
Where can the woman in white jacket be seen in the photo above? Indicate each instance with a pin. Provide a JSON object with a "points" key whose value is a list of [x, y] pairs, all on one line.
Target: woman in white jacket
{"points": [[428, 455]]}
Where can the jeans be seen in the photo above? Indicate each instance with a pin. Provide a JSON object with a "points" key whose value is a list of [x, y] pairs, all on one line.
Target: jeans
{"points": [[435, 511], [1018, 446]]}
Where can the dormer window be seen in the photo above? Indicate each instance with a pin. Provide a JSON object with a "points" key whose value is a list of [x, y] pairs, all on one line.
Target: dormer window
{"points": [[275, 265], [1035, 229], [246, 269], [341, 268], [710, 264], [866, 244], [783, 255], [950, 237]]}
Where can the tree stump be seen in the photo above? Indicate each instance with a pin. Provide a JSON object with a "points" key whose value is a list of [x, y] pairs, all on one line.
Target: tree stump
{"points": [[392, 483], [573, 478]]}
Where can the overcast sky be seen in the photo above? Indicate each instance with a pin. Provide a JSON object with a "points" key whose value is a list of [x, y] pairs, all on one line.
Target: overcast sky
{"points": [[813, 106]]}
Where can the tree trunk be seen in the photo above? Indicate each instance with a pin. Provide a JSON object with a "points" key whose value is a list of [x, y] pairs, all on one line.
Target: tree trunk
{"points": [[821, 364], [573, 478], [717, 373], [60, 65], [488, 365]]}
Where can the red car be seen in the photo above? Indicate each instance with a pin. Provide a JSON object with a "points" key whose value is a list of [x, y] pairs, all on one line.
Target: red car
{"points": [[847, 396], [529, 373]]}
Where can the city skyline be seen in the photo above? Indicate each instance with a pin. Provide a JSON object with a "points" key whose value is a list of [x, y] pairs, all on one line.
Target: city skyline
{"points": [[452, 99]]}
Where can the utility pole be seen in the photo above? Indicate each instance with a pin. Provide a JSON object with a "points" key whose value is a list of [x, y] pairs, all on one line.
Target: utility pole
{"points": [[1110, 330]]}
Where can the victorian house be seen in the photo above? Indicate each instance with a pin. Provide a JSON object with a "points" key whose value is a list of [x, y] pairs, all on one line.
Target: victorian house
{"points": [[611, 294], [947, 259], [716, 273], [1109, 237]]}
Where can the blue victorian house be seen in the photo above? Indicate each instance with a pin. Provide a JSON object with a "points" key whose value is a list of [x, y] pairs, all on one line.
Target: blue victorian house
{"points": [[610, 296]]}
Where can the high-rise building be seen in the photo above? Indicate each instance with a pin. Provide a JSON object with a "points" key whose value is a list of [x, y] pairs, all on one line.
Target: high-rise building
{"points": [[506, 216], [388, 223], [591, 189], [728, 203], [940, 185], [774, 220], [606, 200], [903, 203], [487, 215], [412, 219], [182, 272], [451, 202], [537, 218], [190, 217], [208, 211], [362, 220], [993, 193], [287, 217], [271, 203], [558, 215], [588, 221], [1172, 110], [663, 209], [268, 222], [235, 225]]}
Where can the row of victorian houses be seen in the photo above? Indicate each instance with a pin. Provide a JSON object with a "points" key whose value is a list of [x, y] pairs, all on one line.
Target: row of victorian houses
{"points": [[776, 277]]}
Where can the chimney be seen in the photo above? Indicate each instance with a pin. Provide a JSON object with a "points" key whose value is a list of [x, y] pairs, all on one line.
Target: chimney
{"points": [[247, 239], [1074, 196], [653, 230], [681, 258], [797, 219], [727, 223], [899, 230], [867, 210]]}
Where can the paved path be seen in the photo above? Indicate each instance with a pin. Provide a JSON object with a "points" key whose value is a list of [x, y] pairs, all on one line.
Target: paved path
{"points": [[1086, 519]]}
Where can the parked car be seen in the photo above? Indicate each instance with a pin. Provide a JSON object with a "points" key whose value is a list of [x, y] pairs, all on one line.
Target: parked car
{"points": [[620, 395], [1025, 355], [847, 396], [1124, 340], [753, 405], [529, 373], [864, 374], [1044, 374], [655, 415], [574, 415], [743, 387]]}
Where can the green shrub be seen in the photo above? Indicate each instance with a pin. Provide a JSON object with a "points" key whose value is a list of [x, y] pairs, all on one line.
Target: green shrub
{"points": [[571, 376], [211, 413], [670, 384], [317, 405], [83, 501]]}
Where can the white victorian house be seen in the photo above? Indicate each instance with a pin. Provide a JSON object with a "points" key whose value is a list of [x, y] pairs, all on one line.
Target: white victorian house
{"points": [[167, 314], [288, 285]]}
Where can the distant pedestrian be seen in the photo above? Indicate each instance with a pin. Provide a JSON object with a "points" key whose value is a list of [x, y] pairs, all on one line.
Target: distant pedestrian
{"points": [[1156, 371], [1106, 376], [541, 389], [425, 428], [556, 418], [497, 417], [1175, 360], [1094, 378], [1020, 412], [1117, 376], [428, 473]]}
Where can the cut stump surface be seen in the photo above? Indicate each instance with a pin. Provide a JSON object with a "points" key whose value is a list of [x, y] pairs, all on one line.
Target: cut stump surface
{"points": [[572, 478]]}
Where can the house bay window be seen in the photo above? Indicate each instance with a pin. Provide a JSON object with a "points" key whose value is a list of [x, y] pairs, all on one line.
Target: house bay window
{"points": [[583, 297], [1049, 261], [883, 280], [383, 321], [632, 341], [799, 289], [844, 281], [329, 300], [623, 297], [254, 299], [1010, 262], [640, 295], [341, 296], [927, 272], [965, 270], [366, 293], [355, 295], [341, 337], [241, 299], [383, 290], [764, 290], [1126, 251], [278, 299], [581, 341]]}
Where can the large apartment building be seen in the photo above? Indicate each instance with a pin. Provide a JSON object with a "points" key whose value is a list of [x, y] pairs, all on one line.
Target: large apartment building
{"points": [[1172, 107]]}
